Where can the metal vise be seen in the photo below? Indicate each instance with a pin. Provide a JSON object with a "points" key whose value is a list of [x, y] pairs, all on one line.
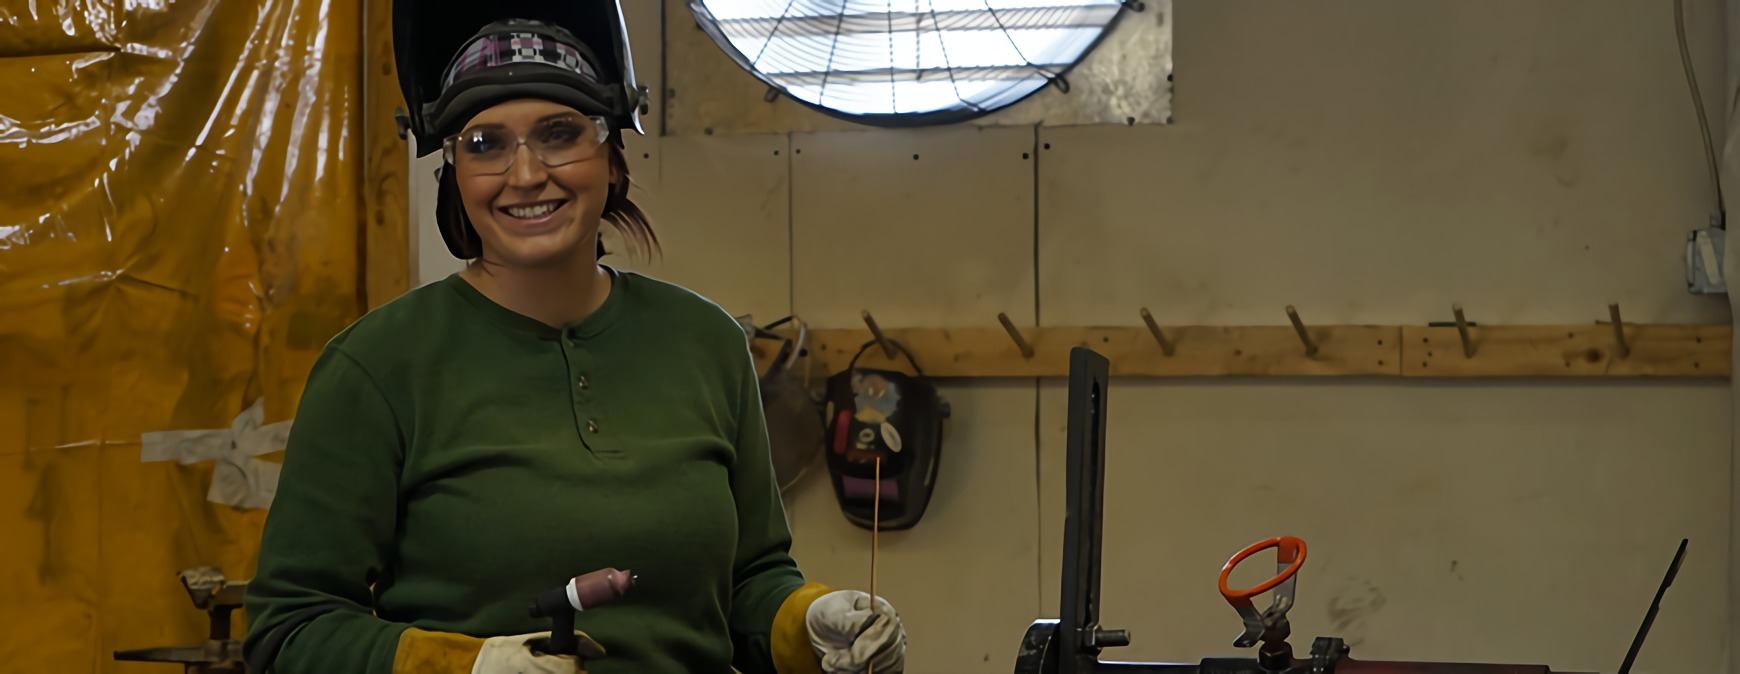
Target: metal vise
{"points": [[218, 597]]}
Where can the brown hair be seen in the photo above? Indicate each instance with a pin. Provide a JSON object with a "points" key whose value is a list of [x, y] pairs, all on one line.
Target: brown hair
{"points": [[625, 215], [619, 211]]}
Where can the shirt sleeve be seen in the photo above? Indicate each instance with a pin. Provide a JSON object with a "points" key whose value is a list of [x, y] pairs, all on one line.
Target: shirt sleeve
{"points": [[764, 573], [329, 533]]}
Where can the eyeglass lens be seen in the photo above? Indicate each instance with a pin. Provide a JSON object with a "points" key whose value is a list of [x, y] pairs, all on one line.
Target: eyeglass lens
{"points": [[557, 141]]}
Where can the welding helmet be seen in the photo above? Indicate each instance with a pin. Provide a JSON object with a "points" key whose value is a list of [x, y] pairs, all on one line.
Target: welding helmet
{"points": [[794, 415], [429, 37], [456, 59], [889, 414]]}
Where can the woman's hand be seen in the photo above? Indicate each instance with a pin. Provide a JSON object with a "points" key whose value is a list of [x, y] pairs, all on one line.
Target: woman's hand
{"points": [[850, 636], [518, 654]]}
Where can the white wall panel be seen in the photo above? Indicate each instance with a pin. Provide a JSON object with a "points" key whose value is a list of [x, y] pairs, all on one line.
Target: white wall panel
{"points": [[874, 228], [1375, 162], [929, 228], [431, 260], [721, 210]]}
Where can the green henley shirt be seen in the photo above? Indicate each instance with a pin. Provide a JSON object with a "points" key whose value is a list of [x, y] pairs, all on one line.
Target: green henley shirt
{"points": [[451, 458]]}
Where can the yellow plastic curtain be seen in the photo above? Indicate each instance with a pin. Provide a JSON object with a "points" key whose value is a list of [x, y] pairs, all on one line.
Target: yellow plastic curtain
{"points": [[179, 235]]}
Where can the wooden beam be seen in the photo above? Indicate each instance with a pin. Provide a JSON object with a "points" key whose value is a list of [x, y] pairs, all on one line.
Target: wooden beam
{"points": [[1569, 351], [1683, 351], [386, 246], [1197, 350]]}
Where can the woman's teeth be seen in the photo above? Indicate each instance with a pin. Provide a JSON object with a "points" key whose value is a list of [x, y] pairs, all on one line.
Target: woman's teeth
{"points": [[534, 211]]}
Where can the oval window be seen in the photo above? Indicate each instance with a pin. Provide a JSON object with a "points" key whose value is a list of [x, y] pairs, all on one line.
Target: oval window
{"points": [[907, 62]]}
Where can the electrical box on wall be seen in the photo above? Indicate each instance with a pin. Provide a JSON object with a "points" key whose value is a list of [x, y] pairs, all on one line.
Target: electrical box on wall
{"points": [[1704, 262]]}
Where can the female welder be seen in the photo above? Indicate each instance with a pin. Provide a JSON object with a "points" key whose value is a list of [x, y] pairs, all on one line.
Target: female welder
{"points": [[536, 416]]}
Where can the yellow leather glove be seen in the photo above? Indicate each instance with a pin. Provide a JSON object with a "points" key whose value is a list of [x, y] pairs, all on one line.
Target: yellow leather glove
{"points": [[425, 652], [790, 637], [820, 630]]}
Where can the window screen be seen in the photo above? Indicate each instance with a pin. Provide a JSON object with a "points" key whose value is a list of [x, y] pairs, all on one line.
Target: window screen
{"points": [[907, 62]]}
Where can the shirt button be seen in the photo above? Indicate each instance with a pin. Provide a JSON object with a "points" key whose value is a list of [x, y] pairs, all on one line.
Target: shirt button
{"points": [[581, 382], [591, 426]]}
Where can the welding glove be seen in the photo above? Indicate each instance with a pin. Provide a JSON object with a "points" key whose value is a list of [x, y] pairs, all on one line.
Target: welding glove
{"points": [[424, 652], [518, 654], [850, 634]]}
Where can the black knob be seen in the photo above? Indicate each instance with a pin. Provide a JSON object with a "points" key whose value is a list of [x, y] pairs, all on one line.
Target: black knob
{"points": [[1111, 638]]}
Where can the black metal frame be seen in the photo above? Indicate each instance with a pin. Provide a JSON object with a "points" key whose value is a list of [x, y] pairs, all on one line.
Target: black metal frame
{"points": [[1071, 643], [1080, 610]]}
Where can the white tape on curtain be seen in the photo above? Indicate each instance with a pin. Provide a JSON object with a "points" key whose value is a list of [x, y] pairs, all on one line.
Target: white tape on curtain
{"points": [[238, 479]]}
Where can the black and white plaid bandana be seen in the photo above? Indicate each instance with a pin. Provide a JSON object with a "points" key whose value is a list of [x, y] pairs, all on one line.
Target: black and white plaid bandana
{"points": [[518, 47]]}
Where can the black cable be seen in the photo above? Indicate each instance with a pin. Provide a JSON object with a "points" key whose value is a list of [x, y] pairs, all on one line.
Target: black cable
{"points": [[1049, 76], [947, 62], [833, 47], [1703, 120], [771, 33]]}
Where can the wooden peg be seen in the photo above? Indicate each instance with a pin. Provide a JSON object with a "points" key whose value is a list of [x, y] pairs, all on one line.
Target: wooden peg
{"points": [[1462, 330], [1618, 330], [876, 332], [1020, 342], [1154, 329], [1299, 327]]}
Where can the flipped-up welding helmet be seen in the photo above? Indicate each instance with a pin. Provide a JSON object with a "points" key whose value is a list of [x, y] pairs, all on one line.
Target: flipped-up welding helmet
{"points": [[456, 59], [428, 38]]}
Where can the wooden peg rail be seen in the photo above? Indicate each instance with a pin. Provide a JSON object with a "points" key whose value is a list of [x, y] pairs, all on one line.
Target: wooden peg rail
{"points": [[1298, 349]]}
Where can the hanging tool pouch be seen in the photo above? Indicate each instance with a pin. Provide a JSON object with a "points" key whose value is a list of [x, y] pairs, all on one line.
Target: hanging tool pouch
{"points": [[897, 416]]}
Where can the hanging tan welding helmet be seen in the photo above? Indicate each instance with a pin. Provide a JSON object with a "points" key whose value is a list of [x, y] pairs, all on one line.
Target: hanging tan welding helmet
{"points": [[456, 59], [794, 414]]}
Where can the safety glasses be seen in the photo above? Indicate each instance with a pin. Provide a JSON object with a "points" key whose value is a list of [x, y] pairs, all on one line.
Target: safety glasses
{"points": [[555, 141]]}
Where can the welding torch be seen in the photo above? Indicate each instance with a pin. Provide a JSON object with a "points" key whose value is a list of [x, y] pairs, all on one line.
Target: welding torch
{"points": [[582, 592]]}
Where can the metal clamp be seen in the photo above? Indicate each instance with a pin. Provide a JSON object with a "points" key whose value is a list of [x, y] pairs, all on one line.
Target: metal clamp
{"points": [[1270, 624], [219, 654]]}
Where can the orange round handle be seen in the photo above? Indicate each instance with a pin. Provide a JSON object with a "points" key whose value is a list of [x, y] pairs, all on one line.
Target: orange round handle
{"points": [[1291, 552]]}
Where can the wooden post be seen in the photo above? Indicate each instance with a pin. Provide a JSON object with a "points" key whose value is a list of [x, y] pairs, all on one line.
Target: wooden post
{"points": [[1014, 334], [1154, 329], [1618, 330], [1299, 327], [876, 333], [1462, 331]]}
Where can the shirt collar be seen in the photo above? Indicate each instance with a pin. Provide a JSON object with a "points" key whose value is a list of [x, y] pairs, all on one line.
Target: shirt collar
{"points": [[590, 326]]}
